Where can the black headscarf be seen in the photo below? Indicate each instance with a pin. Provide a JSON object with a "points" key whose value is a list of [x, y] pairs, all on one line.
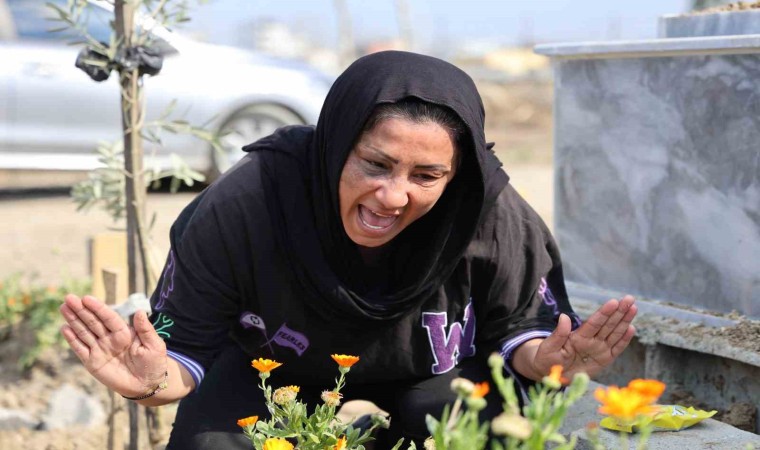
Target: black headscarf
{"points": [[303, 200]]}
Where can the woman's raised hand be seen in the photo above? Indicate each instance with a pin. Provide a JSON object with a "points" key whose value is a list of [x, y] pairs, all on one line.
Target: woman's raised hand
{"points": [[592, 346], [130, 360]]}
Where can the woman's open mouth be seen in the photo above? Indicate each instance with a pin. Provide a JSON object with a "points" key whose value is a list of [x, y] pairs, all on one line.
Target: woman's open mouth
{"points": [[375, 221]]}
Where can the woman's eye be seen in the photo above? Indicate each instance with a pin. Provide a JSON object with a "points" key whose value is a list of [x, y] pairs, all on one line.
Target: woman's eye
{"points": [[427, 177], [374, 164]]}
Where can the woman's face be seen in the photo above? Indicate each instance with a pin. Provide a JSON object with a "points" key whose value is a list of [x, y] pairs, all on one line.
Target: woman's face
{"points": [[393, 176]]}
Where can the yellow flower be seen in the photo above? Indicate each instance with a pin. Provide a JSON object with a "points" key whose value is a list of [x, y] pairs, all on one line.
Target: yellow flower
{"points": [[341, 444], [623, 403], [331, 398], [480, 390], [555, 374], [248, 421], [648, 388], [345, 360], [265, 365], [277, 444]]}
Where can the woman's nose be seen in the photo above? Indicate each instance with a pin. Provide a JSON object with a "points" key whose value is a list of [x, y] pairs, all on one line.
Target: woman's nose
{"points": [[393, 194]]}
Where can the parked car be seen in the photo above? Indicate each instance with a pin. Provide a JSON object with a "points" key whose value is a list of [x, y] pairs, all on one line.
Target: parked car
{"points": [[52, 115]]}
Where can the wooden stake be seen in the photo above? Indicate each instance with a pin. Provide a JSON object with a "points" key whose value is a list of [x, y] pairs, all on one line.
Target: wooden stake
{"points": [[110, 285]]}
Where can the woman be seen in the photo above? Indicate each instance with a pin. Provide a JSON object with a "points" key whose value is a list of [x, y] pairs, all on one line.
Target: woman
{"points": [[389, 232]]}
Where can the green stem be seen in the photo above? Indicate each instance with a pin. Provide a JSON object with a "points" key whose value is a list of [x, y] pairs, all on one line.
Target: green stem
{"points": [[454, 413], [623, 440], [645, 431]]}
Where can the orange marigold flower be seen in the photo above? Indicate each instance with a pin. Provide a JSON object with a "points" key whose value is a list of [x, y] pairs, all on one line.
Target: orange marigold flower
{"points": [[265, 365], [248, 421], [345, 360], [277, 444], [555, 374], [623, 403], [480, 390], [11, 302], [341, 444], [648, 388], [27, 300]]}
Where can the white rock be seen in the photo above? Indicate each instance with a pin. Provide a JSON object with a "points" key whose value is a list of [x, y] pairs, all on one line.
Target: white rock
{"points": [[69, 406], [13, 419]]}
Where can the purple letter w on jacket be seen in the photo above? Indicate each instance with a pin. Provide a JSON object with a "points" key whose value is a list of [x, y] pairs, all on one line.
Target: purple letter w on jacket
{"points": [[450, 348]]}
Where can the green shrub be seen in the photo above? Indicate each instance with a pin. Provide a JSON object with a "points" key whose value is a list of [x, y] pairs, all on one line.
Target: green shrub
{"points": [[29, 311]]}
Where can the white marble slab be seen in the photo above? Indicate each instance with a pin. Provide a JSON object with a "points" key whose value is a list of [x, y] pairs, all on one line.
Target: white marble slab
{"points": [[657, 163], [713, 24], [652, 47]]}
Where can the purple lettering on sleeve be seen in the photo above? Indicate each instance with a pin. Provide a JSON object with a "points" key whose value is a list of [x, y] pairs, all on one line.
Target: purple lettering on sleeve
{"points": [[167, 284]]}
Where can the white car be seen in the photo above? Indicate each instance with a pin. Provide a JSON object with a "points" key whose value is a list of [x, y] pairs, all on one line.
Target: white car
{"points": [[52, 115]]}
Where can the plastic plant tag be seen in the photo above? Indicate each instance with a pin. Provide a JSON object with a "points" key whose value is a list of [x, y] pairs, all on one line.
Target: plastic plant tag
{"points": [[667, 418]]}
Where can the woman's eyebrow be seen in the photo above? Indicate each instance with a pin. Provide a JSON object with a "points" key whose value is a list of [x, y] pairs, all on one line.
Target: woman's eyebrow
{"points": [[440, 167], [382, 154]]}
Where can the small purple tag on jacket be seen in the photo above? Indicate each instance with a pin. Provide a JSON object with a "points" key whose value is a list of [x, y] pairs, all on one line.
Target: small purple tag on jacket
{"points": [[287, 337], [251, 320], [450, 348]]}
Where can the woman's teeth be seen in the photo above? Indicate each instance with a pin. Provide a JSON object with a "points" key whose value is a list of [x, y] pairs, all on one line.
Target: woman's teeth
{"points": [[374, 220]]}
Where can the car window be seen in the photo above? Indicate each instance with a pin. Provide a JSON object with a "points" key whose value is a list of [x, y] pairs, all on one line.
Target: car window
{"points": [[33, 21]]}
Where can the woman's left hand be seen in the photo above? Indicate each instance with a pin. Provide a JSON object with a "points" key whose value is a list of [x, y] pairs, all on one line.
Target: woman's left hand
{"points": [[590, 348]]}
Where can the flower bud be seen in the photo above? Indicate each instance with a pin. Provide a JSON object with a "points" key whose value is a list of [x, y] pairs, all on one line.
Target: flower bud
{"points": [[495, 361], [331, 398], [475, 403], [285, 395], [513, 425], [577, 387], [429, 443], [462, 386]]}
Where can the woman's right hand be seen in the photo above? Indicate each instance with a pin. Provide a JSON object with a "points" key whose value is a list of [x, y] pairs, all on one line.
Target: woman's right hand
{"points": [[130, 360]]}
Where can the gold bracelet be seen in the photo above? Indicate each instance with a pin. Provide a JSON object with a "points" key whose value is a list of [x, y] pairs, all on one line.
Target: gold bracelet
{"points": [[161, 386]]}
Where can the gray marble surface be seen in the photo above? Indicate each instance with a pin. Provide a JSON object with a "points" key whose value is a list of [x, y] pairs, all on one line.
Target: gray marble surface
{"points": [[713, 24], [658, 177]]}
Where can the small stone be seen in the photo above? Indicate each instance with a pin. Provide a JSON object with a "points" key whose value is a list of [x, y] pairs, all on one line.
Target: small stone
{"points": [[72, 406], [14, 419]]}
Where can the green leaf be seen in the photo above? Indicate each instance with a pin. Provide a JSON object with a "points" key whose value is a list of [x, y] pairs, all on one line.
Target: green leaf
{"points": [[556, 438], [399, 444]]}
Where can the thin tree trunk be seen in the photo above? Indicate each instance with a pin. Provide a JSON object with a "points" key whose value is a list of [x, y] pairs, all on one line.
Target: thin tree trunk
{"points": [[124, 25]]}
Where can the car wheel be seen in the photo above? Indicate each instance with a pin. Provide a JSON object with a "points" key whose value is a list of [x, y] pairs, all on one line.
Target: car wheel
{"points": [[247, 125]]}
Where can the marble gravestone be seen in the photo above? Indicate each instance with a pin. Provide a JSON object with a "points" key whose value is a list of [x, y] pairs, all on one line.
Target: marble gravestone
{"points": [[657, 158]]}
